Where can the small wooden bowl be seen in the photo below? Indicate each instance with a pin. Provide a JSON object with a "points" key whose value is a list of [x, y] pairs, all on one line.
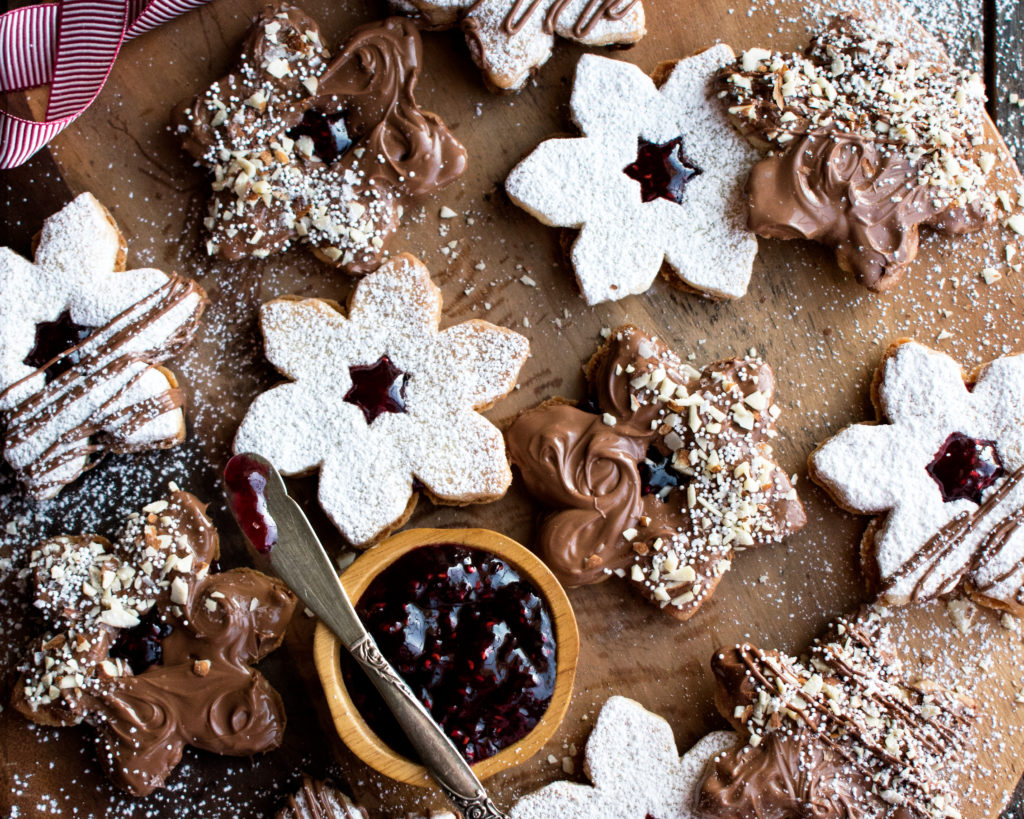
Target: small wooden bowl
{"points": [[349, 723]]}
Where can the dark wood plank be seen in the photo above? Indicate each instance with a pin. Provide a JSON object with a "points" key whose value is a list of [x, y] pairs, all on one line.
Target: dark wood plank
{"points": [[1006, 71]]}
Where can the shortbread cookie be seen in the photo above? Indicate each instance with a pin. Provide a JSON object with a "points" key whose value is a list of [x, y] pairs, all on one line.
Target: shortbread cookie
{"points": [[313, 149], [867, 144], [944, 468], [657, 178], [841, 735], [150, 648], [510, 39], [320, 800], [81, 341], [663, 477], [381, 400], [632, 760]]}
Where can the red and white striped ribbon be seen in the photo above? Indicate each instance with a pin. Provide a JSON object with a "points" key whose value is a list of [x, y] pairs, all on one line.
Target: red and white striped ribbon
{"points": [[70, 46]]}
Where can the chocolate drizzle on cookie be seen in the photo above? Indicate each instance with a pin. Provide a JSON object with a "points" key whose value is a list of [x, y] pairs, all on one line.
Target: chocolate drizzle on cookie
{"points": [[867, 144], [113, 398], [202, 692], [275, 184], [592, 13], [320, 800], [838, 736], [711, 427]]}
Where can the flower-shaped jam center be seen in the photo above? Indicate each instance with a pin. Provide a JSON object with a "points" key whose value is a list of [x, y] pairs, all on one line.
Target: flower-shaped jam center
{"points": [[377, 388], [965, 467], [657, 475], [328, 133], [663, 171], [52, 339]]}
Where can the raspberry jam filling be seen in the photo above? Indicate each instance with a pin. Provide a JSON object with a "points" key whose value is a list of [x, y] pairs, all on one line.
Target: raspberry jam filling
{"points": [[52, 339], [472, 639], [663, 171], [328, 132], [142, 646], [657, 475], [965, 467], [377, 388], [246, 482]]}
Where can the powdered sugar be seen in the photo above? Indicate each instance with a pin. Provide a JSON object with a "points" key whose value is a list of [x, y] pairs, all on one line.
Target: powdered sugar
{"points": [[367, 466], [881, 469], [508, 54], [632, 759], [623, 241]]}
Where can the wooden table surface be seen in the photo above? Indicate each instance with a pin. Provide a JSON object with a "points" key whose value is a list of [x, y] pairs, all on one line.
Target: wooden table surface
{"points": [[820, 331]]}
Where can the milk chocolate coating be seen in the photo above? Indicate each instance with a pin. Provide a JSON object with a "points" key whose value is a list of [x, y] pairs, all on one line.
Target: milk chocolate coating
{"points": [[819, 757], [398, 149], [320, 800], [203, 693], [586, 467]]}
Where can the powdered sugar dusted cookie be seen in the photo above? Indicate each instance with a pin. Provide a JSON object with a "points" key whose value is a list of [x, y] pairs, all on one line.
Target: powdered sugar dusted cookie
{"points": [[841, 734], [382, 397], [868, 143], [309, 148], [320, 800], [944, 467], [657, 177], [81, 340], [632, 760], [666, 475], [509, 39]]}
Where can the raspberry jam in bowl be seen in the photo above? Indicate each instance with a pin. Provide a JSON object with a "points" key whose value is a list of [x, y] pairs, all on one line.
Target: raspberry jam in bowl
{"points": [[480, 630]]}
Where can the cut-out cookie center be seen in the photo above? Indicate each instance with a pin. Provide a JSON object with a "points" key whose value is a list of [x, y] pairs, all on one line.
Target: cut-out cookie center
{"points": [[377, 388], [52, 339], [658, 476], [328, 133], [142, 646], [663, 171], [965, 467]]}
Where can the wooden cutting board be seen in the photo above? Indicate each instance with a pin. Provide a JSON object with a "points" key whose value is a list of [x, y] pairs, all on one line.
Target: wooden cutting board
{"points": [[821, 332]]}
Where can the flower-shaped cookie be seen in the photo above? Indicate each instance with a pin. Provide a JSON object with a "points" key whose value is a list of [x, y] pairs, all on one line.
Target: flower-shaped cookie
{"points": [[80, 343], [382, 398], [869, 142], [309, 148], [151, 649], [840, 735], [666, 481], [632, 760], [658, 176], [509, 39], [944, 465]]}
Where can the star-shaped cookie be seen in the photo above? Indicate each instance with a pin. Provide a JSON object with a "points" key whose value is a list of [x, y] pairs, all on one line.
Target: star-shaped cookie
{"points": [[657, 178], [510, 39], [381, 398]]}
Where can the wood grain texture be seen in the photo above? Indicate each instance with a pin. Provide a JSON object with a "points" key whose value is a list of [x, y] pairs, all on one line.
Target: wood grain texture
{"points": [[821, 332], [356, 579]]}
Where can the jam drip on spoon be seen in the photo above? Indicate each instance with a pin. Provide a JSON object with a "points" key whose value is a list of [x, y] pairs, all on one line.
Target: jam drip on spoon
{"points": [[472, 639], [329, 134], [663, 171], [377, 388], [246, 481], [965, 467], [52, 339]]}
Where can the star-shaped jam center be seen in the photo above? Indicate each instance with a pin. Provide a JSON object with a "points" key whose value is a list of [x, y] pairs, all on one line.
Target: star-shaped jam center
{"points": [[663, 171], [328, 132], [52, 339], [377, 388], [965, 467]]}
